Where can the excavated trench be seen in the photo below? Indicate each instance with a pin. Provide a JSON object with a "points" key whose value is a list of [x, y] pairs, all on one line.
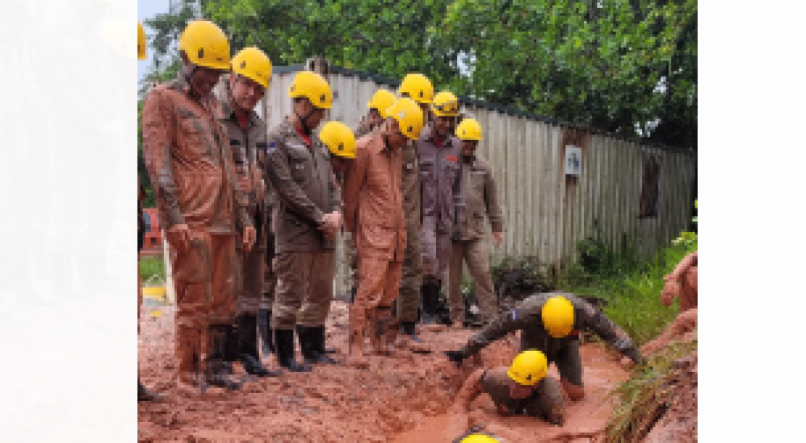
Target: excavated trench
{"points": [[400, 399]]}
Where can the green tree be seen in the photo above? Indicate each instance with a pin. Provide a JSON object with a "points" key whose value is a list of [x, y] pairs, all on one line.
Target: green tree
{"points": [[624, 66]]}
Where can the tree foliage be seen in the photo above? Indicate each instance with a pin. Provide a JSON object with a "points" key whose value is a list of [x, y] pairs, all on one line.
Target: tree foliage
{"points": [[624, 66]]}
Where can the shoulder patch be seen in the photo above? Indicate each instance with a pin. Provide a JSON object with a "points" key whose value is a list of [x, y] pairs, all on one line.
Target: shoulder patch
{"points": [[272, 146], [514, 314]]}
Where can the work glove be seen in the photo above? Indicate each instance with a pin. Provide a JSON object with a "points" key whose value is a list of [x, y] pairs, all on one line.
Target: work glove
{"points": [[456, 357]]}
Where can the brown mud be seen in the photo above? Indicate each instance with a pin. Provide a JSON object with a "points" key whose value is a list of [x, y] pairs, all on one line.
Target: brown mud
{"points": [[400, 399]]}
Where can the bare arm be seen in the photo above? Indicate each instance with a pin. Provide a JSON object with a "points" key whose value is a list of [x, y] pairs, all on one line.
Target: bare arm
{"points": [[470, 390]]}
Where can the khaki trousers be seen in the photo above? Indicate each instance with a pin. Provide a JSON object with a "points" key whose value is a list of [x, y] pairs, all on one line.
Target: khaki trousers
{"points": [[477, 256], [304, 289], [380, 282]]}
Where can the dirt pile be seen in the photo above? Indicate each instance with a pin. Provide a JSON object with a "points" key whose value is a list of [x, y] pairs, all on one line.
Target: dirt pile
{"points": [[340, 404], [679, 423]]}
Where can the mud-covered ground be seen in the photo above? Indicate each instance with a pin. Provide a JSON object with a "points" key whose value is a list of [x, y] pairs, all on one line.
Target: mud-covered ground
{"points": [[399, 399]]}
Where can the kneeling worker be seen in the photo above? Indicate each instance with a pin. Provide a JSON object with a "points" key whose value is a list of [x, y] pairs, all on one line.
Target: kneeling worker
{"points": [[550, 323], [523, 388]]}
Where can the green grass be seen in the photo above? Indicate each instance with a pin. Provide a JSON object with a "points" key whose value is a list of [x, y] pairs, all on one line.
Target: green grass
{"points": [[632, 288], [645, 396], [150, 266]]}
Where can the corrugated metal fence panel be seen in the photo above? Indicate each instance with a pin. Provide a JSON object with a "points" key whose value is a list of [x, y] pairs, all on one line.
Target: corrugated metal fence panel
{"points": [[545, 213]]}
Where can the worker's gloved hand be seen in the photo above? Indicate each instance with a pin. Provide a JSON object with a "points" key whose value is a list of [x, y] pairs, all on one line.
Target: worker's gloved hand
{"points": [[456, 356]]}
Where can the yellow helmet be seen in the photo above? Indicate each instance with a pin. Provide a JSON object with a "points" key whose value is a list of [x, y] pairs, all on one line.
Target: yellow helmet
{"points": [[312, 86], [381, 100], [558, 316], [418, 87], [339, 139], [528, 368], [409, 117], [205, 45], [469, 129], [141, 42], [253, 63], [478, 438], [445, 105]]}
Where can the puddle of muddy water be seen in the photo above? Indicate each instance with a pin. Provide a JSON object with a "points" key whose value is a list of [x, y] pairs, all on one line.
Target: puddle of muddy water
{"points": [[430, 430]]}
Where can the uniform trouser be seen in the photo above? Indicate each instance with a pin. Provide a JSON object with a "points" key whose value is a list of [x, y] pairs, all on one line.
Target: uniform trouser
{"points": [[270, 277], [206, 278], [252, 263], [140, 235], [477, 256], [412, 278], [436, 250], [380, 282], [351, 257], [569, 363], [304, 289]]}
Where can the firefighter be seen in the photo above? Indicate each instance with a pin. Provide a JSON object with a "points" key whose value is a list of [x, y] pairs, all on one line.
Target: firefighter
{"points": [[143, 394], [251, 73], [419, 88], [471, 245], [340, 141], [550, 323], [306, 221], [376, 115], [191, 168], [374, 216], [442, 200], [521, 389]]}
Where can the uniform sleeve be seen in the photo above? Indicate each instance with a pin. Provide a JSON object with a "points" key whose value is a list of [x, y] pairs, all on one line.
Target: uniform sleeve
{"points": [[595, 321], [494, 212], [505, 323], [353, 181], [458, 201], [157, 126], [286, 189], [239, 197], [470, 390]]}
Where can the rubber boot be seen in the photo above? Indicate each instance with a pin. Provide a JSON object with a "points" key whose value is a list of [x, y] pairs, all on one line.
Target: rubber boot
{"points": [[312, 348], [188, 344], [144, 394], [356, 357], [409, 329], [264, 329], [231, 348], [214, 368], [247, 344], [384, 320], [284, 344], [430, 299], [372, 329]]}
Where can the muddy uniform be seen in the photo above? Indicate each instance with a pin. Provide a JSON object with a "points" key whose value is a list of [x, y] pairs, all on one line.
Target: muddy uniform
{"points": [[527, 318], [301, 177], [191, 170], [442, 200], [408, 300], [247, 141], [546, 401], [373, 213], [480, 201], [269, 276], [351, 279]]}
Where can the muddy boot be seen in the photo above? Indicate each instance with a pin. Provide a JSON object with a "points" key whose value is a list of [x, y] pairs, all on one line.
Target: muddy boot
{"points": [[372, 330], [430, 302], [411, 340], [284, 344], [356, 357], [144, 394], [215, 372], [247, 343], [383, 321], [309, 343], [231, 348], [187, 342], [264, 329]]}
